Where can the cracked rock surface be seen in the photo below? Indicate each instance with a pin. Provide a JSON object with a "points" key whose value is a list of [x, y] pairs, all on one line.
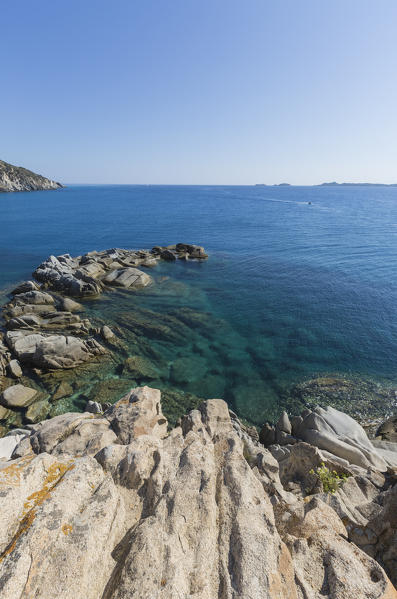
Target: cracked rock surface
{"points": [[117, 507]]}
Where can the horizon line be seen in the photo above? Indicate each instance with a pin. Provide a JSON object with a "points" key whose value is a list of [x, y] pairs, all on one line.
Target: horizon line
{"points": [[323, 184]]}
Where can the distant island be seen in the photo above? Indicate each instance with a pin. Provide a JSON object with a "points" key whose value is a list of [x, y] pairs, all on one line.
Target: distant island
{"points": [[17, 178]]}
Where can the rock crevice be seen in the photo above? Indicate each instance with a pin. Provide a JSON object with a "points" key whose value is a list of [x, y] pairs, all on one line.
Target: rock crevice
{"points": [[203, 511]]}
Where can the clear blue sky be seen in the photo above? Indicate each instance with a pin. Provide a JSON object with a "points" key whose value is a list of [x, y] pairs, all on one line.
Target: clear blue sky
{"points": [[200, 91]]}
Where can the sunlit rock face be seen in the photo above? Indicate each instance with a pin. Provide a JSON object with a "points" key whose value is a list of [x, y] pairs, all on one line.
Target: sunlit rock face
{"points": [[17, 178], [196, 511]]}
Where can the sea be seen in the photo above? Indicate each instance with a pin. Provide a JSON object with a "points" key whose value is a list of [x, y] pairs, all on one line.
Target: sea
{"points": [[301, 282]]}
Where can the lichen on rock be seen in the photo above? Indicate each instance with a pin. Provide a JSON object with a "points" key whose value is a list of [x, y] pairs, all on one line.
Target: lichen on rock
{"points": [[203, 510]]}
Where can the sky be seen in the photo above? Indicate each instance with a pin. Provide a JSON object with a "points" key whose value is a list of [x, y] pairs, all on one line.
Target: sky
{"points": [[200, 91]]}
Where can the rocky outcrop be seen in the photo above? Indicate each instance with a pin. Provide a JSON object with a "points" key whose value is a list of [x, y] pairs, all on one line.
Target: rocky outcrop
{"points": [[388, 430], [183, 251], [44, 332], [334, 433], [53, 351], [202, 511], [17, 178]]}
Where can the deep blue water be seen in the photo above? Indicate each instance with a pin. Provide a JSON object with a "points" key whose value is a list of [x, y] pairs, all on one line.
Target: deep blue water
{"points": [[304, 288]]}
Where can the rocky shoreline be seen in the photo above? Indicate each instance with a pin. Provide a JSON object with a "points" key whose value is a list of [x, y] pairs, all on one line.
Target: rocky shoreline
{"points": [[17, 178], [115, 506], [44, 337], [117, 502], [87, 329]]}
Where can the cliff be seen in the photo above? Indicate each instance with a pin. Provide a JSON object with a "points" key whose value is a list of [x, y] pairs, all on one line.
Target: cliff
{"points": [[115, 506], [17, 178]]}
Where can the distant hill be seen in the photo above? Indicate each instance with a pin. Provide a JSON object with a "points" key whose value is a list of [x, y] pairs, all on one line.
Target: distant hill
{"points": [[17, 178]]}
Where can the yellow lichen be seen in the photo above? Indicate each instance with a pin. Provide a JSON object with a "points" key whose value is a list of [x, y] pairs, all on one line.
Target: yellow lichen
{"points": [[11, 475], [55, 473], [66, 529]]}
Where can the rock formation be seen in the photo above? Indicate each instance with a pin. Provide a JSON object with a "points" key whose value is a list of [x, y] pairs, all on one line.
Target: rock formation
{"points": [[17, 178], [44, 333], [114, 506]]}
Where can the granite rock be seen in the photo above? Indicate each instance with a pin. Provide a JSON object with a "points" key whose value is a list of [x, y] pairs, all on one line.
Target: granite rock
{"points": [[17, 178]]}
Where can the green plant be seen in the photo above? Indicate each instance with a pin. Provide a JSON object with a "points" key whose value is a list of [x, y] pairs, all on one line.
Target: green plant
{"points": [[330, 480]]}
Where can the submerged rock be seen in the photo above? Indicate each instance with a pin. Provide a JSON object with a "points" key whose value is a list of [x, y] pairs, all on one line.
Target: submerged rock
{"points": [[361, 398], [139, 367], [107, 333], [110, 390], [188, 369], [37, 411], [64, 389]]}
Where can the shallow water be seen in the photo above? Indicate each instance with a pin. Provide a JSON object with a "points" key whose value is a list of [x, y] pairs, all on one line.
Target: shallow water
{"points": [[291, 290]]}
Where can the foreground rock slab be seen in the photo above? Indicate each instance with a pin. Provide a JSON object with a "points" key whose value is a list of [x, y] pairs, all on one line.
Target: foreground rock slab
{"points": [[199, 511]]}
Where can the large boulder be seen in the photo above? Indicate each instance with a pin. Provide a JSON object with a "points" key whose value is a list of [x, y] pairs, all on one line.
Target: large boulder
{"points": [[339, 434], [206, 520], [50, 321], [127, 277], [193, 251], [18, 396], [137, 413], [70, 434], [34, 297], [53, 351], [387, 431], [61, 274], [326, 564]]}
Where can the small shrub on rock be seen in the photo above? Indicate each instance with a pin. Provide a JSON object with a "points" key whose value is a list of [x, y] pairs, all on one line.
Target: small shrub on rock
{"points": [[330, 480]]}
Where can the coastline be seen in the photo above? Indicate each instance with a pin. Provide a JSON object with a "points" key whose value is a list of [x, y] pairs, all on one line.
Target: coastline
{"points": [[95, 349]]}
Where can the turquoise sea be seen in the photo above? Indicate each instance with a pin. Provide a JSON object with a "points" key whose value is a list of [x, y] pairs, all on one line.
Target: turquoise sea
{"points": [[291, 290]]}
